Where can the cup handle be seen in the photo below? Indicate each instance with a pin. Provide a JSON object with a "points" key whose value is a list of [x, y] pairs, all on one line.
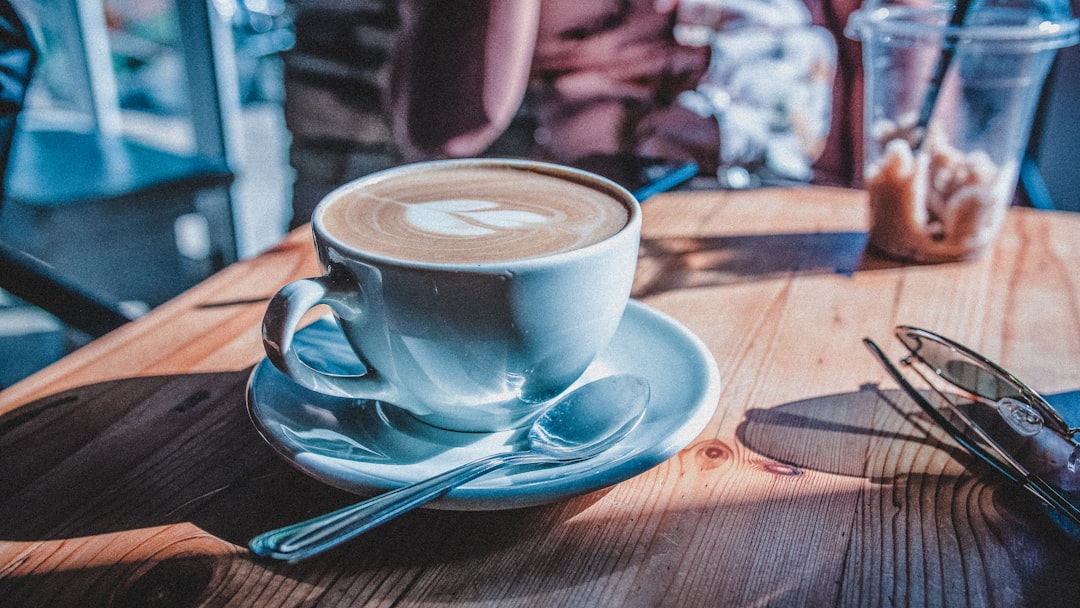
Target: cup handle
{"points": [[282, 318]]}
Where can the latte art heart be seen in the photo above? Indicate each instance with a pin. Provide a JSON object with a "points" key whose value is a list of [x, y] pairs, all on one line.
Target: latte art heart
{"points": [[472, 215], [462, 217]]}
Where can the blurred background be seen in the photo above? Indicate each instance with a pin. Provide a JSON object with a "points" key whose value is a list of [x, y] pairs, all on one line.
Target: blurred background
{"points": [[152, 149]]}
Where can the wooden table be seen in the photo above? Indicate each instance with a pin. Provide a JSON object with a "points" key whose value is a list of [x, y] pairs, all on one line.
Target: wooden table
{"points": [[130, 474]]}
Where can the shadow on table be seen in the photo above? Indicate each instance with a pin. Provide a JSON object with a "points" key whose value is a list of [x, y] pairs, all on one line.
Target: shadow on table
{"points": [[882, 437], [99, 511], [150, 451], [679, 263], [843, 433], [919, 478], [851, 433], [124, 457]]}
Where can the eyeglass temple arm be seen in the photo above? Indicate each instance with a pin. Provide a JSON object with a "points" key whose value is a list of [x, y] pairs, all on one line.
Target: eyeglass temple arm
{"points": [[941, 421], [1032, 483]]}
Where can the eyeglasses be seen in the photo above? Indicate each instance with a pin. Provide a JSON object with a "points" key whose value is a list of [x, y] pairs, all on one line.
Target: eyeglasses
{"points": [[995, 416]]}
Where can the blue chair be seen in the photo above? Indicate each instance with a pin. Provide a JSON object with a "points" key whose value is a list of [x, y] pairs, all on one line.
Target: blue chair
{"points": [[23, 275], [57, 175]]}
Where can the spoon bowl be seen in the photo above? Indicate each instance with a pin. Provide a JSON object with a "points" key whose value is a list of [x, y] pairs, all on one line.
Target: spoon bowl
{"points": [[581, 425], [590, 419]]}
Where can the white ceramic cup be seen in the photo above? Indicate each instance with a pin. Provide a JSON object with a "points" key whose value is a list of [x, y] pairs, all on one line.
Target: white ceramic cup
{"points": [[471, 346]]}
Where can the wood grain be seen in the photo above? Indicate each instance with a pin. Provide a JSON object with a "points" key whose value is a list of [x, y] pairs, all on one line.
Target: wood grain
{"points": [[131, 476]]}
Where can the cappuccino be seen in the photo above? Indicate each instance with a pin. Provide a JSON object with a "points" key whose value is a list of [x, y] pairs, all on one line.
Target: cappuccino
{"points": [[473, 214], [473, 290]]}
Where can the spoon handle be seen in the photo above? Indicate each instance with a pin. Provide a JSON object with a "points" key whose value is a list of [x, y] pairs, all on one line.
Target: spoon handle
{"points": [[308, 538]]}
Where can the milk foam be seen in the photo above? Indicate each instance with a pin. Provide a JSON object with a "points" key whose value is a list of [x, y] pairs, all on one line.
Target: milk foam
{"points": [[473, 215]]}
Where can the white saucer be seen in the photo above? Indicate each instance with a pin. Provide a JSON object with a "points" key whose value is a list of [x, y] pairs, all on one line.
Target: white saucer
{"points": [[366, 447]]}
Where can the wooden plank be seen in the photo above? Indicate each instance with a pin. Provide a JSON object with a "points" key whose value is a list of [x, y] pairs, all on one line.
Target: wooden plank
{"points": [[130, 471]]}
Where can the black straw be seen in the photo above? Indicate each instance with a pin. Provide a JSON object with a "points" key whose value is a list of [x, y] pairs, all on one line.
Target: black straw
{"points": [[959, 14]]}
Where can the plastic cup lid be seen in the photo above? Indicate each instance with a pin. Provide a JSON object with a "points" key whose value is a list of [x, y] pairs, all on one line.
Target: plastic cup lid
{"points": [[1009, 23]]}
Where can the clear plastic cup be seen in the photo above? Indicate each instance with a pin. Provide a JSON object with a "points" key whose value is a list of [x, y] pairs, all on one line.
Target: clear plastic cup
{"points": [[939, 188]]}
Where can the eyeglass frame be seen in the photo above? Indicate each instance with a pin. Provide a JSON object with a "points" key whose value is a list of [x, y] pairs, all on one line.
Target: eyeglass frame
{"points": [[1004, 462]]}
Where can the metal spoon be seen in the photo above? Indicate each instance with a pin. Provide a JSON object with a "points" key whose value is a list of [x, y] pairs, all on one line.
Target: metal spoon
{"points": [[581, 425]]}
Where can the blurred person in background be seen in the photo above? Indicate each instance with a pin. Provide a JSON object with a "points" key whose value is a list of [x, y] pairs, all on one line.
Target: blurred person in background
{"points": [[584, 80]]}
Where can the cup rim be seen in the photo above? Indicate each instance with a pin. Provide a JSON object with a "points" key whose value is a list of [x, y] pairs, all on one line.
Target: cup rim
{"points": [[633, 222], [1048, 33]]}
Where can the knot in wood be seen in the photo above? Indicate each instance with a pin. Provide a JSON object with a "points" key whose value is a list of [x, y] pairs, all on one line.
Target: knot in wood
{"points": [[711, 454]]}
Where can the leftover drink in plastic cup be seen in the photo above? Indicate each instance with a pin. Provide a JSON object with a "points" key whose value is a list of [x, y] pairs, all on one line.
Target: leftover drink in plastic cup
{"points": [[939, 189]]}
